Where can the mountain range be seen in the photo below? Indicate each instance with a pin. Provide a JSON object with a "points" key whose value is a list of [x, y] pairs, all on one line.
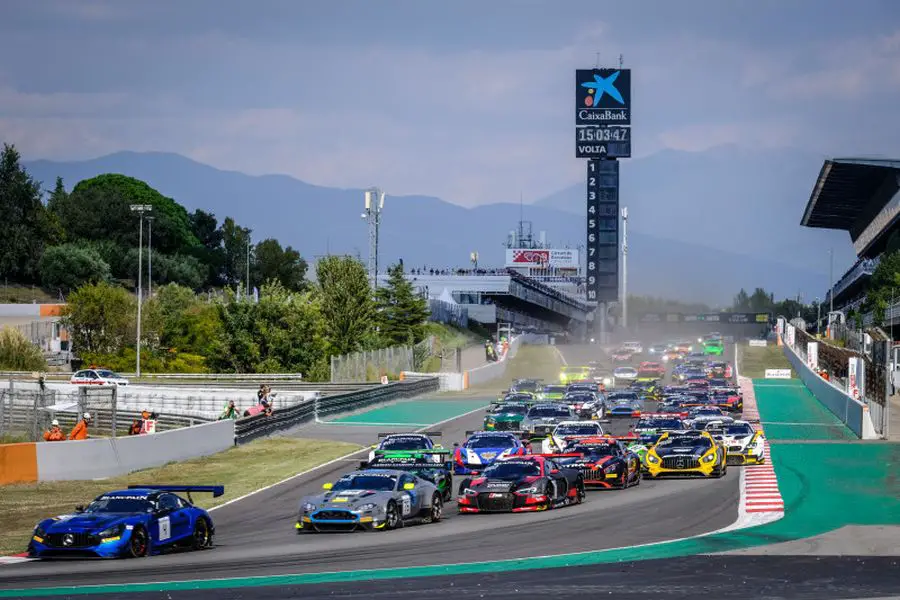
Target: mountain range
{"points": [[701, 225]]}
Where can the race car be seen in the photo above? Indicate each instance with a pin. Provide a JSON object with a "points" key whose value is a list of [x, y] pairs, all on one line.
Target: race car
{"points": [[570, 374], [541, 419], [634, 347], [621, 355], [586, 405], [432, 465], [658, 349], [624, 404], [684, 347], [551, 392], [521, 484], [719, 369], [671, 356], [482, 448], [604, 462], [746, 446], [653, 370], [505, 417], [371, 499], [139, 521], [658, 423], [625, 373], [687, 453], [569, 431], [406, 441], [714, 347], [526, 385], [704, 414], [727, 400]]}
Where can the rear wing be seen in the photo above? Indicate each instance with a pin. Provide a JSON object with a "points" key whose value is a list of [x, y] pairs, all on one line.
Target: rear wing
{"points": [[426, 433], [215, 490], [407, 461], [551, 455], [411, 454]]}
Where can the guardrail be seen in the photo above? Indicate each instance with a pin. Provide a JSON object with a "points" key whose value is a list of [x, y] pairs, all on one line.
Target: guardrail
{"points": [[251, 428]]}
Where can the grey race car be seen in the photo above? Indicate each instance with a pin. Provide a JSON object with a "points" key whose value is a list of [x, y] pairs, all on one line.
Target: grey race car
{"points": [[371, 500]]}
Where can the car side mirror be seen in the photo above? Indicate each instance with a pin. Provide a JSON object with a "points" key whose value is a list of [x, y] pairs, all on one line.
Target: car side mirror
{"points": [[409, 486], [79, 508], [327, 486]]}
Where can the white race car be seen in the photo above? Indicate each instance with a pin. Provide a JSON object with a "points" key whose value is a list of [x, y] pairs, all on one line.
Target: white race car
{"points": [[102, 377], [746, 446], [568, 431]]}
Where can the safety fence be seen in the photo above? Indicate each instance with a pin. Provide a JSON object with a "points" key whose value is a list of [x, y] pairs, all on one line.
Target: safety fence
{"points": [[445, 312], [251, 428], [372, 365], [857, 396]]}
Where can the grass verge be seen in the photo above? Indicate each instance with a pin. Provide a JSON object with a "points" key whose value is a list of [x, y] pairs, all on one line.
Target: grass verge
{"points": [[241, 470], [753, 361], [452, 337]]}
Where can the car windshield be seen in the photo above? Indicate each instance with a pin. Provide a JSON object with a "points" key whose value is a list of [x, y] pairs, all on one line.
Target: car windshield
{"points": [[513, 470], [577, 430], [549, 411], [658, 424], [570, 397], [512, 409], [707, 411], [718, 382], [554, 389], [686, 441], [120, 504], [741, 429], [491, 441], [108, 374], [525, 386], [378, 483], [623, 396], [582, 387], [595, 449], [405, 443]]}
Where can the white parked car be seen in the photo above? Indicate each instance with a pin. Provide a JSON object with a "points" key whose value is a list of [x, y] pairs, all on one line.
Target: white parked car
{"points": [[97, 377]]}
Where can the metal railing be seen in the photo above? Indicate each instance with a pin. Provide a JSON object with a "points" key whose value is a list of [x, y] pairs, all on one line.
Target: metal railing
{"points": [[251, 428]]}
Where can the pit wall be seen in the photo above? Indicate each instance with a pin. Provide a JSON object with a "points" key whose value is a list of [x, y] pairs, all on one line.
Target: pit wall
{"points": [[853, 413], [108, 457]]}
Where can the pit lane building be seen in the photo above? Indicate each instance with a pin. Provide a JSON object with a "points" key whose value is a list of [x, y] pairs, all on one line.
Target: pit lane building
{"points": [[862, 197]]}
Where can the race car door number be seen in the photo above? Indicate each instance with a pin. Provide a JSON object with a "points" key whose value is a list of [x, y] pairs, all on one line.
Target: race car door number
{"points": [[165, 529], [407, 504]]}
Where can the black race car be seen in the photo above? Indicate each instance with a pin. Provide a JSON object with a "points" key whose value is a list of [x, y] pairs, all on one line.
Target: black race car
{"points": [[603, 462], [521, 484]]}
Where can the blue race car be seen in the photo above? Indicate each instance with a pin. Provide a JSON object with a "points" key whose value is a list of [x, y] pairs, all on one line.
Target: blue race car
{"points": [[139, 521], [482, 448]]}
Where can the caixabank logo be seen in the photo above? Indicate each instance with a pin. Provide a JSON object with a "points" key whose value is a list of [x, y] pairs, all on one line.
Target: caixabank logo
{"points": [[603, 97]]}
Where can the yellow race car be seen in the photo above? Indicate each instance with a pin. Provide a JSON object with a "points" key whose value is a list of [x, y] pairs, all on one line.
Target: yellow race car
{"points": [[569, 374], [686, 453]]}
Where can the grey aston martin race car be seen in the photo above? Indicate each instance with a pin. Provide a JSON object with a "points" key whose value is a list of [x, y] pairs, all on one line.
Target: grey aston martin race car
{"points": [[371, 500]]}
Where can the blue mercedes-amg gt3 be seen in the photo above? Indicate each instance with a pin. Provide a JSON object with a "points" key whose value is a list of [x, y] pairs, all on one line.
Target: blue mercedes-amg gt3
{"points": [[139, 521]]}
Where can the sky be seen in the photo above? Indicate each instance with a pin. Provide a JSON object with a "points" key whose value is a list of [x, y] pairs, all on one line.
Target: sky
{"points": [[470, 101]]}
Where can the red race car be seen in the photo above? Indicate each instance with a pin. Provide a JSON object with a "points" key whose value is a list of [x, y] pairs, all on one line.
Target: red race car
{"points": [[651, 369], [521, 484]]}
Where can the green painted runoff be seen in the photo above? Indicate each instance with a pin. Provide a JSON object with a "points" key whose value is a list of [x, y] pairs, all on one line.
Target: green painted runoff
{"points": [[415, 412]]}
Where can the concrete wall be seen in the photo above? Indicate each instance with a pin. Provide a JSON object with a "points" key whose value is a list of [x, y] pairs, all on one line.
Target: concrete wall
{"points": [[492, 371], [108, 457], [853, 413]]}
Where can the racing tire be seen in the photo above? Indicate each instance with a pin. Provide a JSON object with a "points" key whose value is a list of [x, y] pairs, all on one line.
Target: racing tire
{"points": [[581, 494], [392, 519], [201, 538], [139, 543], [437, 509]]}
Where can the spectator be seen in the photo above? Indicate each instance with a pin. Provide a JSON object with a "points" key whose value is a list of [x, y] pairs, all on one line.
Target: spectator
{"points": [[148, 421], [80, 431], [54, 434], [230, 412], [135, 428]]}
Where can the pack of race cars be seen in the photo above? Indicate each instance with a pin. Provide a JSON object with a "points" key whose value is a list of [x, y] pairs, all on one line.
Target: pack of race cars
{"points": [[542, 446]]}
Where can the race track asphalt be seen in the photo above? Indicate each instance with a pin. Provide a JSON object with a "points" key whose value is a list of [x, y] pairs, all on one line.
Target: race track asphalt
{"points": [[256, 536]]}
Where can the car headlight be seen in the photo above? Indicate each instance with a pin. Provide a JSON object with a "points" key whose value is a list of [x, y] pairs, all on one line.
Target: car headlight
{"points": [[110, 531], [607, 381], [652, 458], [366, 507], [307, 507], [39, 531], [709, 457]]}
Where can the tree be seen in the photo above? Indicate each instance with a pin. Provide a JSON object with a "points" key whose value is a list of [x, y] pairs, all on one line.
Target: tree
{"points": [[274, 264], [401, 312], [17, 353], [884, 287], [69, 266], [182, 321], [235, 240], [741, 302], [760, 301], [25, 225], [211, 253], [100, 318], [347, 305]]}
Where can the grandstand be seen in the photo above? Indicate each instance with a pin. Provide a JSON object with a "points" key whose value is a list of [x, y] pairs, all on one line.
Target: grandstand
{"points": [[860, 196]]}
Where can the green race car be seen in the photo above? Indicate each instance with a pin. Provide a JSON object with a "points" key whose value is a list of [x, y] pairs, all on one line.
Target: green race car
{"points": [[714, 347], [552, 392], [506, 417]]}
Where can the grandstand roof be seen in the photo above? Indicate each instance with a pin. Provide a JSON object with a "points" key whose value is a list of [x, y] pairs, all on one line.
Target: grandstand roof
{"points": [[847, 191]]}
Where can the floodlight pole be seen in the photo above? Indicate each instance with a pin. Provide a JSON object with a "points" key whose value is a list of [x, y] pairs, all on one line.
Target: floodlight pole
{"points": [[149, 257], [140, 209], [625, 268]]}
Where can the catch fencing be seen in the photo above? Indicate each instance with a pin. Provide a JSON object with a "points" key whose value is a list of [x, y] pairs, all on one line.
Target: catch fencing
{"points": [[445, 312], [251, 428], [371, 365], [25, 414]]}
